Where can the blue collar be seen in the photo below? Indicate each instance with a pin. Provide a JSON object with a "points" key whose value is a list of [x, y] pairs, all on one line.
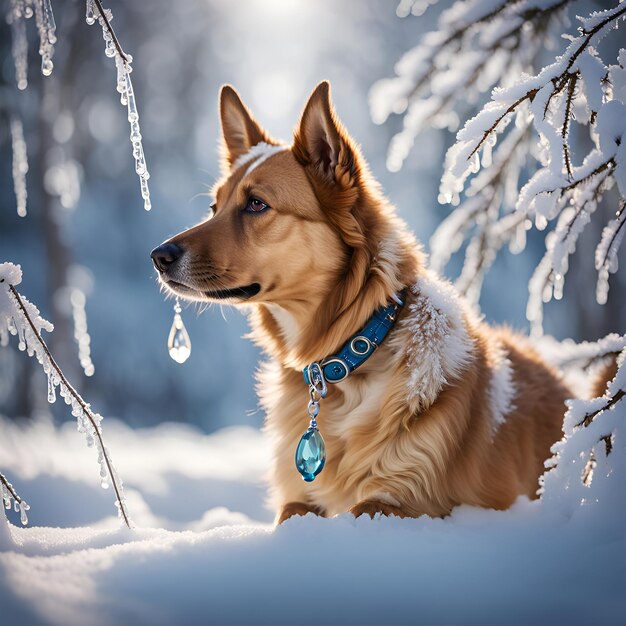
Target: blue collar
{"points": [[361, 346]]}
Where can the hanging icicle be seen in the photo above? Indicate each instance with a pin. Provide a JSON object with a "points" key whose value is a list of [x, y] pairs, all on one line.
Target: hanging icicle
{"points": [[20, 164], [123, 63], [19, 10]]}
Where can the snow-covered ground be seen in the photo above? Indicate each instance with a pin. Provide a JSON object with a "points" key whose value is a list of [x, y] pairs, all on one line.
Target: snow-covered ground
{"points": [[205, 551]]}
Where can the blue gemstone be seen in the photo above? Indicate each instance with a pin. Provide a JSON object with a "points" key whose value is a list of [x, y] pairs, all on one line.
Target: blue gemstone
{"points": [[311, 454]]}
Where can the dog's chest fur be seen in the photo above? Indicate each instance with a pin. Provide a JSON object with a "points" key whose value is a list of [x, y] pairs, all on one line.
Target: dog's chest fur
{"points": [[369, 421]]}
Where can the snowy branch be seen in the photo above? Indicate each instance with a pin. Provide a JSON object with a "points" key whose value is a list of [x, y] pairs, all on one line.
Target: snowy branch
{"points": [[477, 42], [20, 317], [491, 154]]}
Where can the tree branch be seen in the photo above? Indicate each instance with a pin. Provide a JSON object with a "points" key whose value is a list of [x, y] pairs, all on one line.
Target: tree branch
{"points": [[612, 401], [111, 31], [79, 400], [9, 487]]}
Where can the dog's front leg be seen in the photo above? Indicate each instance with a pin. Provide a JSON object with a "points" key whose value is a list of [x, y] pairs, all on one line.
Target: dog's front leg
{"points": [[298, 508], [371, 507]]}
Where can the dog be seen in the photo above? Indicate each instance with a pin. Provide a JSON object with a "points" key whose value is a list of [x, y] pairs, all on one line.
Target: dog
{"points": [[445, 410]]}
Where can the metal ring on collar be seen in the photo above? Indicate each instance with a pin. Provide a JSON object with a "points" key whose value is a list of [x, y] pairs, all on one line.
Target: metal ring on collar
{"points": [[359, 349]]}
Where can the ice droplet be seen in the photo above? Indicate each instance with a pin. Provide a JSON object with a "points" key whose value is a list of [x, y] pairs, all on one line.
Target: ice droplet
{"points": [[90, 17], [46, 66], [178, 343]]}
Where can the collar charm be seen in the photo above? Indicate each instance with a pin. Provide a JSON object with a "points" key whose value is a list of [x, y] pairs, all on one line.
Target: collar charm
{"points": [[311, 450]]}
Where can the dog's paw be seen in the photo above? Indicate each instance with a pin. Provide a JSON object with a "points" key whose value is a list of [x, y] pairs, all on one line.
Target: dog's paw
{"points": [[371, 507], [297, 508]]}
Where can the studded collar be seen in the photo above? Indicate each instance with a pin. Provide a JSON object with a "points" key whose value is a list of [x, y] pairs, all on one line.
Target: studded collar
{"points": [[360, 346]]}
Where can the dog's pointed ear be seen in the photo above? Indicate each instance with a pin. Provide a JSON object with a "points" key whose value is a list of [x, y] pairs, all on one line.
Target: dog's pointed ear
{"points": [[321, 141], [240, 131]]}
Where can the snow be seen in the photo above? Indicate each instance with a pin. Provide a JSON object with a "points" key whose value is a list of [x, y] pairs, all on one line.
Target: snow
{"points": [[501, 390], [525, 565], [440, 346]]}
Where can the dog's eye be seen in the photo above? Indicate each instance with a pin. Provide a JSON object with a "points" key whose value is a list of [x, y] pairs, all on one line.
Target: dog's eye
{"points": [[254, 205]]}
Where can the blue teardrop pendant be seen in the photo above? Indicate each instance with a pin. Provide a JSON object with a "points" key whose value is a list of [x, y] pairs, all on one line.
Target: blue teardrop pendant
{"points": [[311, 454]]}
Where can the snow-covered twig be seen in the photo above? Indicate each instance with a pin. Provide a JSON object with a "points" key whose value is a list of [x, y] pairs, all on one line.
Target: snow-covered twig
{"points": [[123, 63], [11, 498], [20, 317]]}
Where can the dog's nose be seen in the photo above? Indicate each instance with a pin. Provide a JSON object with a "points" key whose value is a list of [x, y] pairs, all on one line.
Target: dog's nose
{"points": [[164, 255]]}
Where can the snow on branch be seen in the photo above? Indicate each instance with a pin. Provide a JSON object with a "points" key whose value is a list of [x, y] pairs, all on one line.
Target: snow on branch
{"points": [[580, 460], [484, 167], [19, 317], [586, 353], [476, 43]]}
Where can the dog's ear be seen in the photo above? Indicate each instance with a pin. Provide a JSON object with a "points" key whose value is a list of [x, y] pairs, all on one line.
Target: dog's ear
{"points": [[322, 143], [240, 131]]}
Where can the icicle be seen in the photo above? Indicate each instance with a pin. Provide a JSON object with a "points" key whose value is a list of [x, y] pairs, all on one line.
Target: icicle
{"points": [[23, 517], [19, 50], [52, 395], [90, 17], [123, 63], [81, 333], [47, 34], [20, 165]]}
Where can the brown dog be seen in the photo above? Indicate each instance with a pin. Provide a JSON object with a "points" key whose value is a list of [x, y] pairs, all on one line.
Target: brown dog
{"points": [[446, 411]]}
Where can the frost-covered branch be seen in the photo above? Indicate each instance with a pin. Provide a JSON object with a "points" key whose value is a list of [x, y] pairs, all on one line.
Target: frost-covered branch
{"points": [[10, 499], [477, 42], [123, 62], [485, 166], [20, 317], [594, 430]]}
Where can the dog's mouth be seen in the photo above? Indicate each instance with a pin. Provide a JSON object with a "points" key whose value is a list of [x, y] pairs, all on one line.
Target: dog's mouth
{"points": [[236, 293]]}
